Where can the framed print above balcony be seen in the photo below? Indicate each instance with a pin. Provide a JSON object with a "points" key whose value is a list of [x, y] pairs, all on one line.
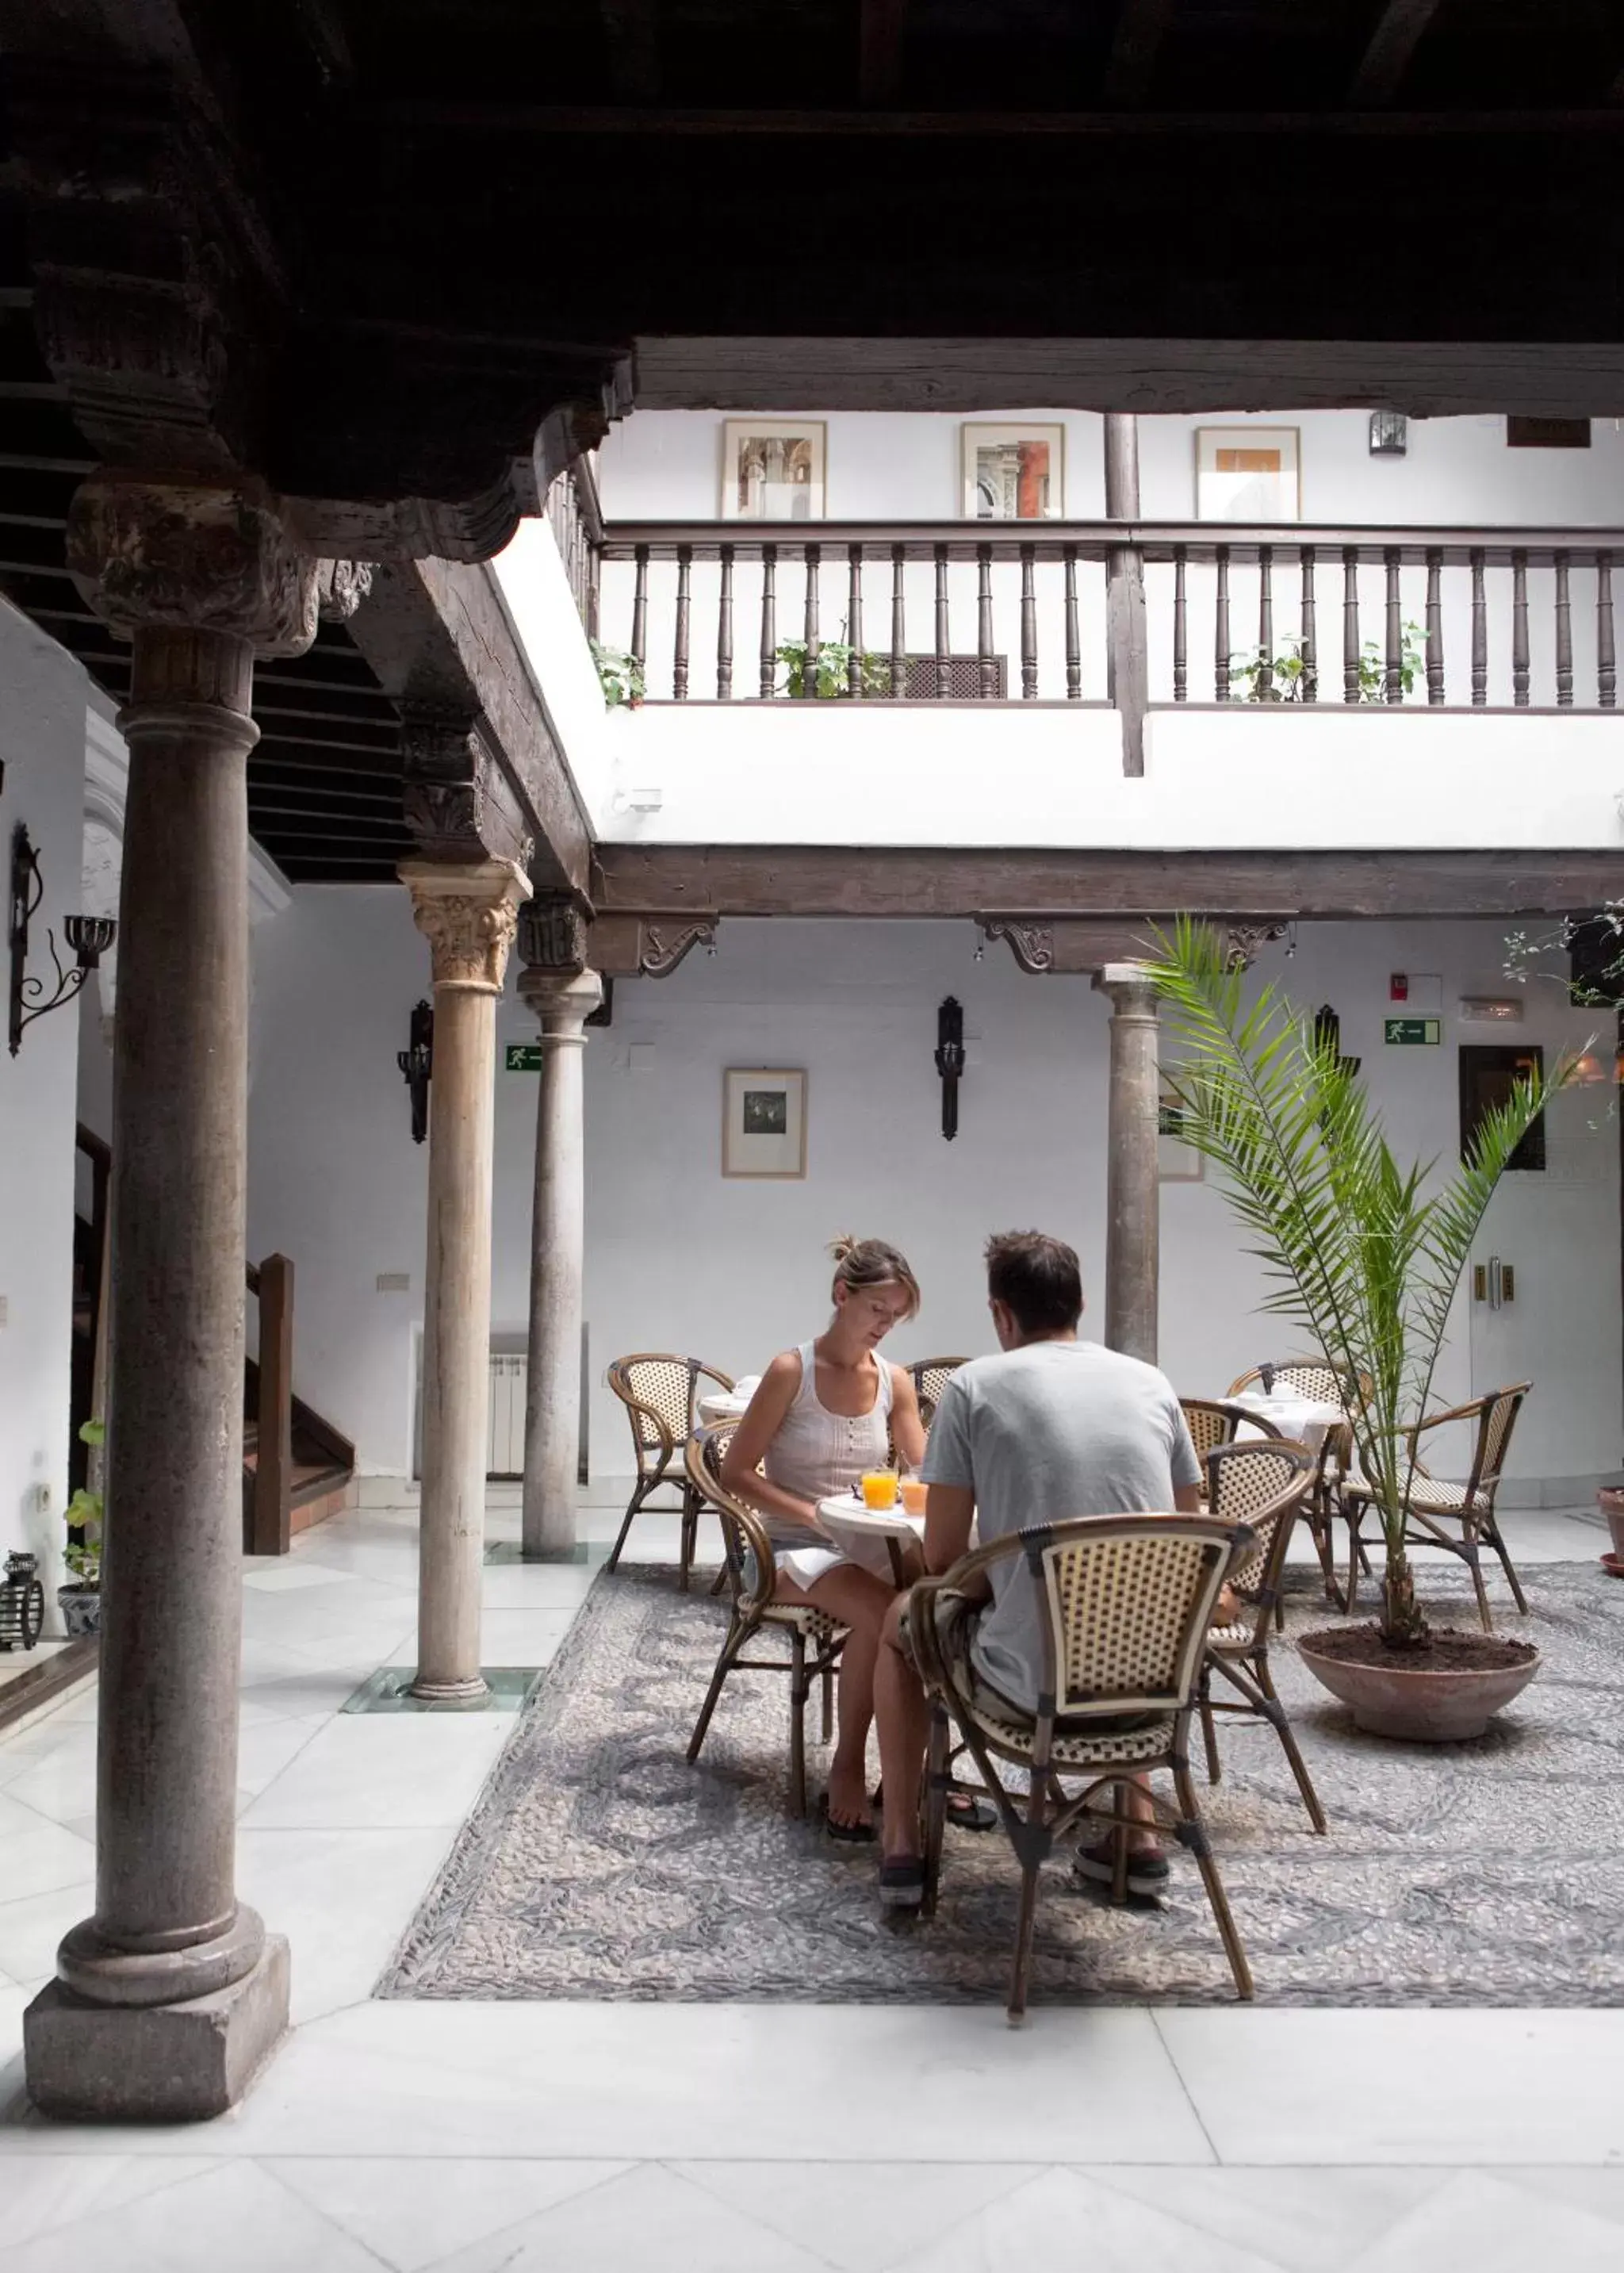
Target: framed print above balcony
{"points": [[1248, 473], [763, 1122], [1013, 473], [772, 468]]}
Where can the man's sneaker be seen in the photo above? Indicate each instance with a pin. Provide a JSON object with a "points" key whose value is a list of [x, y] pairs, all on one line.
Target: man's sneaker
{"points": [[902, 1884], [1147, 1867]]}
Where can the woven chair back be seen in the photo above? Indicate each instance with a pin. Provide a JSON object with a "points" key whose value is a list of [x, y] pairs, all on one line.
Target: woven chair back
{"points": [[657, 1386], [1129, 1600], [743, 1536], [1499, 1412], [929, 1377], [1209, 1423], [1261, 1486]]}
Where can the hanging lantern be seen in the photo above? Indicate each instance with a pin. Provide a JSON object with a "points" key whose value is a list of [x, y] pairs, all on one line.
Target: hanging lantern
{"points": [[22, 1602]]}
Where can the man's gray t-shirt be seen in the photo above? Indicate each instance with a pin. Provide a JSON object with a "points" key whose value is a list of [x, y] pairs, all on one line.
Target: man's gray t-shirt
{"points": [[1041, 1433]]}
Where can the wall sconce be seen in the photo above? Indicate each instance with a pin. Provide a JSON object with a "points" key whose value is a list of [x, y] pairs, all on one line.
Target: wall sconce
{"points": [[89, 936], [950, 1061], [417, 1064], [1390, 433]]}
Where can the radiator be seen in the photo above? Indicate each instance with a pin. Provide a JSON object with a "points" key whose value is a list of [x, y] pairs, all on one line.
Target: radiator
{"points": [[505, 1442]]}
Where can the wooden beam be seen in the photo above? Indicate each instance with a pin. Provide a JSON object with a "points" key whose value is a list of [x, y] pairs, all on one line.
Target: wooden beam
{"points": [[632, 29], [856, 880], [881, 34], [1135, 46], [1398, 33]]}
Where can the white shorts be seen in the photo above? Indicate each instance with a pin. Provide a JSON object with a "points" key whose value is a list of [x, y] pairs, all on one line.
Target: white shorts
{"points": [[807, 1565]]}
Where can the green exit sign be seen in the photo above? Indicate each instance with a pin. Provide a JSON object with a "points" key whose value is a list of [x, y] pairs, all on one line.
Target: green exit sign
{"points": [[1417, 1032], [523, 1057]]}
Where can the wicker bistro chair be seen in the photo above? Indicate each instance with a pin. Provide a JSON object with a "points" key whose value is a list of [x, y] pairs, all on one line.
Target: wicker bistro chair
{"points": [[931, 1376], [1431, 1505], [1130, 1599], [751, 1573], [1313, 1377], [1212, 1424], [662, 1395], [1263, 1486]]}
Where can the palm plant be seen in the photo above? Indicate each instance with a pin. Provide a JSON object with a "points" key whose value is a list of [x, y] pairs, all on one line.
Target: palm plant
{"points": [[1365, 1252]]}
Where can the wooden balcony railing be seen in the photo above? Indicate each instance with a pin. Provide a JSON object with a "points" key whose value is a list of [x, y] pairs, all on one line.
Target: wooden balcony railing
{"points": [[1472, 619], [577, 524]]}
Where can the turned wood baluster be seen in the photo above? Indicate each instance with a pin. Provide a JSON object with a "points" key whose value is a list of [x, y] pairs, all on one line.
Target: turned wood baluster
{"points": [[899, 623], [988, 687], [1073, 640], [724, 629], [1349, 623], [1519, 630], [1308, 643], [1029, 623], [1564, 636], [1181, 628], [943, 676], [1393, 672], [854, 620], [1220, 638], [1266, 622], [640, 608], [769, 622], [808, 626], [1479, 633], [679, 651], [1606, 661], [1434, 627]]}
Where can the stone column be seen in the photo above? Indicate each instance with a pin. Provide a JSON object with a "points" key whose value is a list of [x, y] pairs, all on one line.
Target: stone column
{"points": [[1132, 1194], [563, 1001], [467, 912], [171, 1995]]}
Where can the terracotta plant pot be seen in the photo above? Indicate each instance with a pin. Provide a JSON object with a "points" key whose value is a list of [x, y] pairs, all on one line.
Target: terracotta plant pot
{"points": [[1429, 1705], [1611, 1506]]}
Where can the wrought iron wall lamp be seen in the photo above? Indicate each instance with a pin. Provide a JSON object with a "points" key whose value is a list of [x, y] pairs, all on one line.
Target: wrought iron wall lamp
{"points": [[417, 1064], [950, 1060], [89, 936]]}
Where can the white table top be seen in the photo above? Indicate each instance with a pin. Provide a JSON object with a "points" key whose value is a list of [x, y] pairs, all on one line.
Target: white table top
{"points": [[725, 1404], [846, 1514], [1306, 1418]]}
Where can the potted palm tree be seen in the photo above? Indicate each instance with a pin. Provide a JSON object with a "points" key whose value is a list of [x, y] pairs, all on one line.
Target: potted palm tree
{"points": [[80, 1600], [1366, 1253]]}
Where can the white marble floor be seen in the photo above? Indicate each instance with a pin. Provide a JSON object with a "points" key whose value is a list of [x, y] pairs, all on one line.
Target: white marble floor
{"points": [[515, 2138]]}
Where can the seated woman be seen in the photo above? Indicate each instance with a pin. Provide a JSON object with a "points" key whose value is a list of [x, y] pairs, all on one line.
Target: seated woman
{"points": [[818, 1420]]}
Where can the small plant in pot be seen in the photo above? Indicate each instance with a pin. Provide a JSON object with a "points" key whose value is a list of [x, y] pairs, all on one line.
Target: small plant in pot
{"points": [[1366, 1254], [80, 1599]]}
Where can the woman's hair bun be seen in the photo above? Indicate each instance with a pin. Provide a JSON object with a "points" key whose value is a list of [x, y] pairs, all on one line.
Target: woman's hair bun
{"points": [[844, 1246]]}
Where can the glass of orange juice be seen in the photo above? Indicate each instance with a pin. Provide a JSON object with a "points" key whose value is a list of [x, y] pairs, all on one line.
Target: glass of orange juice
{"points": [[879, 1488], [913, 1491]]}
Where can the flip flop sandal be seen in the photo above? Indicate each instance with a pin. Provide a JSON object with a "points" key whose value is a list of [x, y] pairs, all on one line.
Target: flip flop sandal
{"points": [[845, 1834], [965, 1811]]}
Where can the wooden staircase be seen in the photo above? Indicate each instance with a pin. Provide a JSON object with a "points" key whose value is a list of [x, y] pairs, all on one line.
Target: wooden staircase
{"points": [[296, 1467]]}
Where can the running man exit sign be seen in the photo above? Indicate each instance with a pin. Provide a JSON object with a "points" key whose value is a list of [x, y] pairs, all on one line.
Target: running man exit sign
{"points": [[525, 1057], [1414, 1033]]}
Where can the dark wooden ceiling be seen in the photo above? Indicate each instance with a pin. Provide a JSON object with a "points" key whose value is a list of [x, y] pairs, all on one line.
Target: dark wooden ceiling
{"points": [[324, 779]]}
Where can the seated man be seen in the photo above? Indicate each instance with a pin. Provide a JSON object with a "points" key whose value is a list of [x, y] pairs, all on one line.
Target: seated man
{"points": [[1053, 1428]]}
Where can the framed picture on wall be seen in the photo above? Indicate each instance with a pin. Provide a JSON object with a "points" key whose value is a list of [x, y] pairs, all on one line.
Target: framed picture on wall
{"points": [[1013, 473], [1176, 1162], [1248, 473], [763, 1122], [772, 468]]}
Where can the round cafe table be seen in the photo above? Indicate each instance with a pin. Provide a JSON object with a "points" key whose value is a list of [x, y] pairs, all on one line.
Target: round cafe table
{"points": [[726, 1405], [1307, 1419], [863, 1533]]}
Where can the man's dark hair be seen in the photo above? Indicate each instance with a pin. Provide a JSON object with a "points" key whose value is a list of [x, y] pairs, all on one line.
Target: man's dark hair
{"points": [[1039, 1277]]}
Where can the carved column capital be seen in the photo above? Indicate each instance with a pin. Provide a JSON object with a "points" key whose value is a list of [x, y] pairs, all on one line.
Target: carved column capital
{"points": [[553, 936], [191, 557], [563, 1001], [1135, 997], [467, 913]]}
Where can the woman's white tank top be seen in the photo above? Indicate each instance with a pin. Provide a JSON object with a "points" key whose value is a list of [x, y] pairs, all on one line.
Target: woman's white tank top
{"points": [[819, 1454]]}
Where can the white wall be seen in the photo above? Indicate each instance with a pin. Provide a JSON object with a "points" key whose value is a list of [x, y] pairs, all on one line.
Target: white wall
{"points": [[660, 465], [42, 737], [680, 1257]]}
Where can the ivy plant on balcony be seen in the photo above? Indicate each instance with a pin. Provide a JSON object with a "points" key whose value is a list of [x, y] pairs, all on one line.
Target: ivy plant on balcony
{"points": [[834, 670], [1289, 676], [620, 675], [1364, 1251]]}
